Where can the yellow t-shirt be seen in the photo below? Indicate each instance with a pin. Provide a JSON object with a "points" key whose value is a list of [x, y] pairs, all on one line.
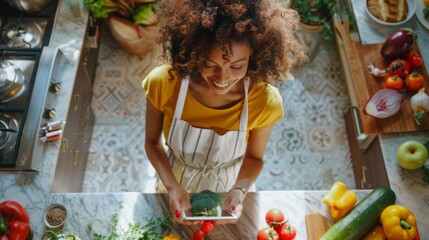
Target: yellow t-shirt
{"points": [[264, 104]]}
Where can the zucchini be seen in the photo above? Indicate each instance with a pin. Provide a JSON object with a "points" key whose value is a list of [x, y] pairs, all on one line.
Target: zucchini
{"points": [[363, 217]]}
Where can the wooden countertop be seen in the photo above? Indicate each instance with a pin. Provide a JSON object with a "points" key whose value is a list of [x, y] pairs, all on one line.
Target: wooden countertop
{"points": [[364, 85]]}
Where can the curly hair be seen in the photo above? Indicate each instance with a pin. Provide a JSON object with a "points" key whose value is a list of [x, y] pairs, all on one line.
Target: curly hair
{"points": [[190, 28]]}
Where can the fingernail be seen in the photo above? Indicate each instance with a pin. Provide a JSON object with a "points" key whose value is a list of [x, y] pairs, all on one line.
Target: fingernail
{"points": [[232, 208], [177, 214]]}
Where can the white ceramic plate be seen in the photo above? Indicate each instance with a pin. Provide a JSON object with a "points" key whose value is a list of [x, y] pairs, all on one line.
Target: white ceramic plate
{"points": [[419, 14], [223, 215], [411, 11]]}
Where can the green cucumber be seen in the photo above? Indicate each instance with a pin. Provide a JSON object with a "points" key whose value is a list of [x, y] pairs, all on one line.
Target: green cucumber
{"points": [[363, 217]]}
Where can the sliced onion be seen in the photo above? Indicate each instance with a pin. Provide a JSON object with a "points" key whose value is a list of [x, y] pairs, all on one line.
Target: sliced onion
{"points": [[384, 103]]}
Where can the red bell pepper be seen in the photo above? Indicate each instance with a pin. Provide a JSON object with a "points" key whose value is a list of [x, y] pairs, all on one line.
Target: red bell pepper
{"points": [[14, 221]]}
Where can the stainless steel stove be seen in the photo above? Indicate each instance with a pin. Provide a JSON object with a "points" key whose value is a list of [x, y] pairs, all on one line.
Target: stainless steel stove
{"points": [[29, 69]]}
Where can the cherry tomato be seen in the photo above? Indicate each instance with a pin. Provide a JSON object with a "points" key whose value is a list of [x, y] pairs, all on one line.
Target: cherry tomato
{"points": [[415, 59], [267, 234], [275, 218], [288, 233], [394, 82], [274, 215], [414, 81], [199, 235], [399, 67], [208, 226]]}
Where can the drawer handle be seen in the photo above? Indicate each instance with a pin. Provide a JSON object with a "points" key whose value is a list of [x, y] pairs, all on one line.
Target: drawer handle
{"points": [[363, 181], [84, 126], [65, 144], [76, 102], [75, 157]]}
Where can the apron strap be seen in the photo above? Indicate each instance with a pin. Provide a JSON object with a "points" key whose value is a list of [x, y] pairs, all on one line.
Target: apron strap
{"points": [[181, 98], [244, 115]]}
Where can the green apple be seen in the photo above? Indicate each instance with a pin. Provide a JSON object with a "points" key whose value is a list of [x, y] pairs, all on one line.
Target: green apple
{"points": [[411, 155]]}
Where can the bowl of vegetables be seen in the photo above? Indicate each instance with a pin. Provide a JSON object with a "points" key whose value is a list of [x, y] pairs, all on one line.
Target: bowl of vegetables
{"points": [[387, 21]]}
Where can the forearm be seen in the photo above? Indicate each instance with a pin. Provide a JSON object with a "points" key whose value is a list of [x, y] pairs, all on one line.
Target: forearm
{"points": [[253, 163], [249, 172], [159, 160]]}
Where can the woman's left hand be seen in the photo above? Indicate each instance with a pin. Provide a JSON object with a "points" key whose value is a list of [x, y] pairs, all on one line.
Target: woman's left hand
{"points": [[233, 203]]}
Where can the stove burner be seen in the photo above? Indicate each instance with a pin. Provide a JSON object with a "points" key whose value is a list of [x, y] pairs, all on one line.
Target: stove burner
{"points": [[11, 81], [23, 34], [8, 133]]}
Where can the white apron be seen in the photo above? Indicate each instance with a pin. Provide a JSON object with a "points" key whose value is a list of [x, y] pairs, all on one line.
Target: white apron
{"points": [[201, 158]]}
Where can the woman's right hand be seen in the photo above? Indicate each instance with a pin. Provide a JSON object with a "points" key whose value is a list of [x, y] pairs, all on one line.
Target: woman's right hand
{"points": [[179, 200]]}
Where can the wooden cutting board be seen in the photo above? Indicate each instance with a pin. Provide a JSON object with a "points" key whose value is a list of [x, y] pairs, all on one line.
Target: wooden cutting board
{"points": [[365, 85], [316, 225]]}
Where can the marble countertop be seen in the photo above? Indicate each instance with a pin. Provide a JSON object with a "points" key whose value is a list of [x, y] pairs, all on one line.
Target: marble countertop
{"points": [[93, 212], [32, 190]]}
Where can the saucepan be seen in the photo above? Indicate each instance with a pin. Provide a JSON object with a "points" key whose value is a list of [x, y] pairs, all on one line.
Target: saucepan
{"points": [[11, 80], [29, 5]]}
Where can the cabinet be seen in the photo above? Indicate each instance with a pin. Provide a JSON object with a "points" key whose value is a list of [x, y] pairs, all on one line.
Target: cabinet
{"points": [[368, 164], [72, 158]]}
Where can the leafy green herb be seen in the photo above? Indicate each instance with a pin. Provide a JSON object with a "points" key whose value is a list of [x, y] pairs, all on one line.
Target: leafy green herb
{"points": [[100, 8], [139, 12], [152, 230], [316, 12], [145, 15]]}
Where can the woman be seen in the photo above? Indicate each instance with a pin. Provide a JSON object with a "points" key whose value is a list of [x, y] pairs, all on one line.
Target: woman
{"points": [[213, 101]]}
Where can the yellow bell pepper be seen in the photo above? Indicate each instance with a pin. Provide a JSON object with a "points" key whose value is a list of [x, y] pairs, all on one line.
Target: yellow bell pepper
{"points": [[170, 237], [340, 200], [399, 223], [336, 191], [376, 233]]}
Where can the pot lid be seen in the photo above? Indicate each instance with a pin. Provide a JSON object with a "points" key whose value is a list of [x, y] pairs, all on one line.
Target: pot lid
{"points": [[11, 80], [8, 74], [7, 138]]}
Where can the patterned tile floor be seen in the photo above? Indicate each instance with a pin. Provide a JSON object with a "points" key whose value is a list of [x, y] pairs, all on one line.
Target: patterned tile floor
{"points": [[308, 149]]}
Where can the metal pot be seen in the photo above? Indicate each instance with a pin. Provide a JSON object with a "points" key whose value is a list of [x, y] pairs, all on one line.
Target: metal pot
{"points": [[29, 5], [11, 81]]}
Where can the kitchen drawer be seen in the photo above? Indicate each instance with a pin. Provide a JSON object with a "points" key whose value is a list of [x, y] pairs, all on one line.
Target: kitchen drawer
{"points": [[74, 149], [368, 164]]}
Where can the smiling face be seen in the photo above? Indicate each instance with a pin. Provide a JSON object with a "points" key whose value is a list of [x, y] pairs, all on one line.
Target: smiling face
{"points": [[225, 66]]}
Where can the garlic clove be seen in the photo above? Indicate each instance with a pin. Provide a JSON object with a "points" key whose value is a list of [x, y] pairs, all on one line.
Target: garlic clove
{"points": [[384, 103], [377, 72]]}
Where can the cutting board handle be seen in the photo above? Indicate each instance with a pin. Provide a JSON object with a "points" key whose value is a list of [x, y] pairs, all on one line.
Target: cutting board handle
{"points": [[316, 225]]}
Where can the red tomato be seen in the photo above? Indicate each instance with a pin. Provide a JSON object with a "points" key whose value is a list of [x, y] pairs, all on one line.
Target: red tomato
{"points": [[399, 67], [414, 81], [267, 234], [274, 215], [394, 82], [199, 235], [415, 59], [275, 219], [208, 226], [288, 233]]}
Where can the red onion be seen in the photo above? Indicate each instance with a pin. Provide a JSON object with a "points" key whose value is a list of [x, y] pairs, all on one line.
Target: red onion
{"points": [[384, 103]]}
